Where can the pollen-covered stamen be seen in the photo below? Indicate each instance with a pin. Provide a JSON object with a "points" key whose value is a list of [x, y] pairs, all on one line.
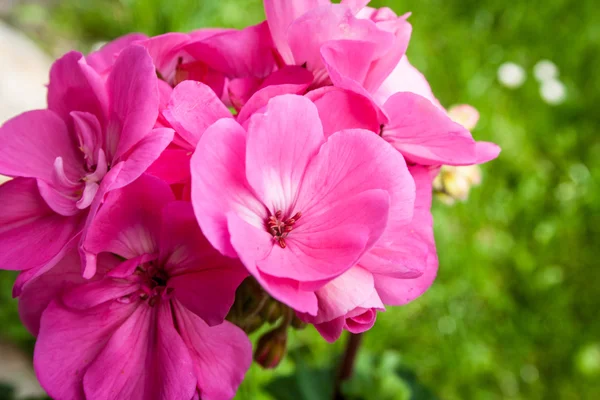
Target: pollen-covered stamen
{"points": [[280, 228]]}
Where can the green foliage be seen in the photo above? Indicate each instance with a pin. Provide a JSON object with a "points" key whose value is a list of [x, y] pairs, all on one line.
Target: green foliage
{"points": [[513, 312]]}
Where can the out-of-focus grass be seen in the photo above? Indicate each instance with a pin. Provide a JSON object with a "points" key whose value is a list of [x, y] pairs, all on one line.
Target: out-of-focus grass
{"points": [[514, 311]]}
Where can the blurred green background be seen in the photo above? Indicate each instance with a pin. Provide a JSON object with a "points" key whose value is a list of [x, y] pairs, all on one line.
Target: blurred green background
{"points": [[514, 312]]}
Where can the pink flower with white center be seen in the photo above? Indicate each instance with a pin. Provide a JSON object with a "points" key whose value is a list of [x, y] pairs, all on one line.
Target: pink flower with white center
{"points": [[96, 135], [297, 208], [150, 323]]}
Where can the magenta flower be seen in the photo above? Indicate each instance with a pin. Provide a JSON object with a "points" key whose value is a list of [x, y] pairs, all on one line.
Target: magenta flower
{"points": [[299, 210], [95, 136], [150, 323]]}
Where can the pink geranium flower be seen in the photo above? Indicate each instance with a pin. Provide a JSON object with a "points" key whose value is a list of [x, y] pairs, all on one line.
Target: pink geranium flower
{"points": [[399, 268], [297, 208], [337, 46], [150, 323], [96, 135]]}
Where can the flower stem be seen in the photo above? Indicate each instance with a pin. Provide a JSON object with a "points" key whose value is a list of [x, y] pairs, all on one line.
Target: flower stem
{"points": [[347, 364]]}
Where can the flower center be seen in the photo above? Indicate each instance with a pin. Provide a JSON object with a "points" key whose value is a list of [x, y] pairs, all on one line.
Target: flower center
{"points": [[154, 283], [280, 228]]}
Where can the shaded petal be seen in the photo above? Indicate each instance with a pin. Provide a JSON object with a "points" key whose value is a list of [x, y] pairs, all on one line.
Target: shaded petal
{"points": [[36, 296], [288, 80], [219, 183], [145, 358], [104, 58], [424, 134], [172, 166], [193, 107], [32, 141], [237, 53], [75, 86], [142, 155], [128, 223], [341, 109], [281, 143], [203, 280], [280, 15], [133, 90], [221, 354], [331, 330], [27, 222], [61, 372], [343, 294]]}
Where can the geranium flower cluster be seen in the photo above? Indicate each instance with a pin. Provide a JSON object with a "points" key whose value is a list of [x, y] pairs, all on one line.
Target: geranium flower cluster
{"points": [[296, 156]]}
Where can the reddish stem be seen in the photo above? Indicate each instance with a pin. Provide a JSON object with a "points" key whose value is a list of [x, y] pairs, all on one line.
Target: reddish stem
{"points": [[347, 364]]}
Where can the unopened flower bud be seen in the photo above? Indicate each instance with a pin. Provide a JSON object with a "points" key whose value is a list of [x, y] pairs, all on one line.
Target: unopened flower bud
{"points": [[272, 311], [271, 348], [251, 323], [298, 324]]}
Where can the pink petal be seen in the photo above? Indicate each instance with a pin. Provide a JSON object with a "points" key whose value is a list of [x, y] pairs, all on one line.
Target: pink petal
{"points": [[195, 267], [343, 294], [424, 134], [128, 223], [361, 322], [383, 66], [237, 54], [393, 288], [102, 60], [280, 15], [405, 78], [369, 163], [252, 244], [144, 358], [61, 372], [91, 294], [331, 330], [165, 51], [36, 296], [32, 141], [281, 143], [132, 88], [486, 151], [193, 107], [221, 354], [341, 109], [325, 245], [75, 86], [142, 155], [288, 80], [219, 183], [26, 222], [172, 166]]}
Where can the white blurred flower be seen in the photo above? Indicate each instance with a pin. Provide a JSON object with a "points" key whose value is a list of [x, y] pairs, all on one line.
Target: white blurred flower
{"points": [[553, 91], [511, 75], [464, 114], [545, 70], [454, 183]]}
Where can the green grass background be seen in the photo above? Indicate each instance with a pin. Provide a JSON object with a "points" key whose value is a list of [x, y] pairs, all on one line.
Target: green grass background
{"points": [[514, 312]]}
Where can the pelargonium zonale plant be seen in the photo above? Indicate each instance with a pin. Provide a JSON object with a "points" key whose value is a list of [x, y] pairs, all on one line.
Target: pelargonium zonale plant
{"points": [[182, 191]]}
